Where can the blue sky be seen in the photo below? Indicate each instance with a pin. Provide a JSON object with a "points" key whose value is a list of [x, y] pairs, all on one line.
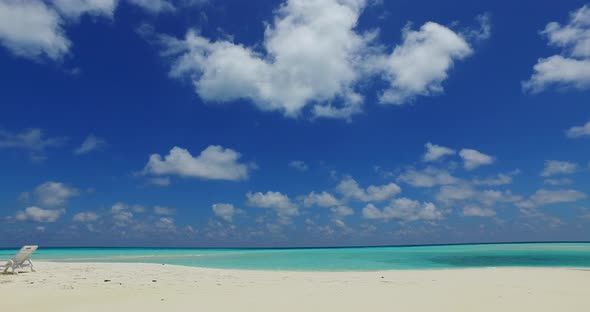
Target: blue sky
{"points": [[293, 123]]}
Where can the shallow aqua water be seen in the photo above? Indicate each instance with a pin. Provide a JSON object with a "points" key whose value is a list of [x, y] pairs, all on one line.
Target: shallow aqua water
{"points": [[338, 259]]}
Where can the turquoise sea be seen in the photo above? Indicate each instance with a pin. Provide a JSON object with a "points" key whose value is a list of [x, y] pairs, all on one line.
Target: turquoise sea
{"points": [[337, 259]]}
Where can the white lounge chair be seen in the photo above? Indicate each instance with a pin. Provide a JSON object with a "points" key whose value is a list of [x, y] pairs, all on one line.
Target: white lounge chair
{"points": [[21, 260]]}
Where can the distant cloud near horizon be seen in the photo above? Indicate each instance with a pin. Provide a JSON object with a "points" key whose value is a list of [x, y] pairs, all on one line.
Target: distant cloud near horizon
{"points": [[404, 209], [545, 197]]}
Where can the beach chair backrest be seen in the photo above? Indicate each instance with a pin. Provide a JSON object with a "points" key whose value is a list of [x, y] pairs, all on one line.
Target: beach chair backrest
{"points": [[24, 254]]}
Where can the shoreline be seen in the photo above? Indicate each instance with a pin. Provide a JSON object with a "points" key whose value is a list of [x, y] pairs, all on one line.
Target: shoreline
{"points": [[582, 268], [61, 286]]}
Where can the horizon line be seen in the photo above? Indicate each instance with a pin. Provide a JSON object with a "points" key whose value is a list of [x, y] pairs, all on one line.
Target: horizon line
{"points": [[309, 247]]}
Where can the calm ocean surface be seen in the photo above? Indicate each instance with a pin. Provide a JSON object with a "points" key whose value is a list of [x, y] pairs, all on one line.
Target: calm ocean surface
{"points": [[337, 259]]}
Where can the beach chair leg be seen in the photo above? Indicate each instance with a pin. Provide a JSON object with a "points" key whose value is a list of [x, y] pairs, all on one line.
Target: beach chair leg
{"points": [[31, 264], [10, 266]]}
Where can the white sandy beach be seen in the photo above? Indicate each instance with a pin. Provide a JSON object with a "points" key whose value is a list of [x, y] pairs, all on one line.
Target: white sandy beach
{"points": [[152, 287]]}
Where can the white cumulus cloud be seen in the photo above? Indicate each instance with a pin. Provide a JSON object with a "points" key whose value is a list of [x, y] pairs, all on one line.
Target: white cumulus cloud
{"points": [[214, 163], [339, 213], [311, 55], [349, 188], [435, 152], [427, 177], [36, 214], [572, 67], [121, 214], [556, 167], [492, 197], [579, 131], [281, 203], [165, 6], [165, 211], [54, 193], [225, 211], [546, 197], [466, 193], [452, 193], [473, 159], [87, 216], [165, 224], [313, 58], [422, 62], [475, 211], [32, 30], [404, 209], [499, 179], [154, 6], [323, 199], [556, 182], [75, 8]]}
